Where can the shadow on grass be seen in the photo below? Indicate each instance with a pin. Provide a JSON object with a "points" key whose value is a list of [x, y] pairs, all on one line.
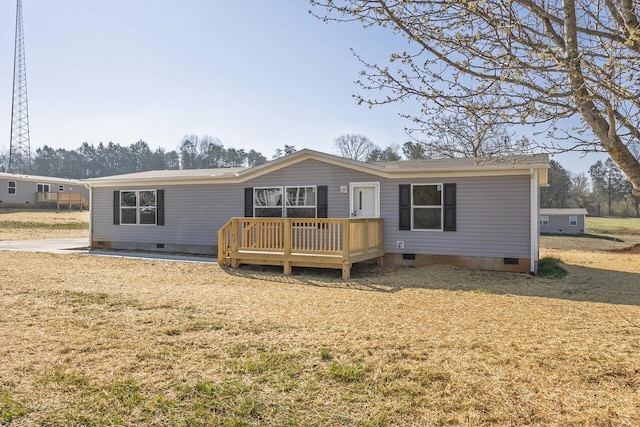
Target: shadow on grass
{"points": [[585, 236], [580, 283]]}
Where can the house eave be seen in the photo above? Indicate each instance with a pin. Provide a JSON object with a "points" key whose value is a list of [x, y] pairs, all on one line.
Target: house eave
{"points": [[392, 172]]}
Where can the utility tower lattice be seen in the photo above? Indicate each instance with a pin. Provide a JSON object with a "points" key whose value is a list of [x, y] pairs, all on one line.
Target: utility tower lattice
{"points": [[19, 148]]}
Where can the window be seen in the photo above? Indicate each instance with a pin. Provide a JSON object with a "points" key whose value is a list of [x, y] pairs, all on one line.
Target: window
{"points": [[268, 202], [300, 202], [544, 220], [60, 187], [426, 207], [11, 187], [43, 188], [138, 207], [573, 220]]}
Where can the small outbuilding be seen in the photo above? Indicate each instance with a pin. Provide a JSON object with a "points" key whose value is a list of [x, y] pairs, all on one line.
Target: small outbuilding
{"points": [[563, 221], [42, 192]]}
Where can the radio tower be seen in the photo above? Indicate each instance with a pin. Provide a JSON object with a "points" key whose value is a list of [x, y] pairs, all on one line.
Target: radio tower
{"points": [[19, 149]]}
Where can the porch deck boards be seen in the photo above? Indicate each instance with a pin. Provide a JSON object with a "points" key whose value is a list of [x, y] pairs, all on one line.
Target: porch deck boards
{"points": [[334, 243]]}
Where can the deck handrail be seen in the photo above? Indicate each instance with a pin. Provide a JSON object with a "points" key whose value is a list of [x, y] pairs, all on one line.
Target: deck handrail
{"points": [[343, 240], [63, 198]]}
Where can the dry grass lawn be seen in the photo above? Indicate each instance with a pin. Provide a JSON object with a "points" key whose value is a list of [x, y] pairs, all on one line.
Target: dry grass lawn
{"points": [[33, 224], [90, 340]]}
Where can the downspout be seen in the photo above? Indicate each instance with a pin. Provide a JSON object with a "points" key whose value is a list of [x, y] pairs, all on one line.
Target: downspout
{"points": [[88, 187], [535, 221]]}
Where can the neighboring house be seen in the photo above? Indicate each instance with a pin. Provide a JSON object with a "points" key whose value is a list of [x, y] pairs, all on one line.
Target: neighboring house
{"points": [[479, 213], [31, 191], [563, 221]]}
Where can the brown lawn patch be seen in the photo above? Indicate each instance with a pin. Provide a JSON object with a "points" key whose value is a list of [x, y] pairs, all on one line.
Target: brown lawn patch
{"points": [[92, 340], [107, 341], [42, 224]]}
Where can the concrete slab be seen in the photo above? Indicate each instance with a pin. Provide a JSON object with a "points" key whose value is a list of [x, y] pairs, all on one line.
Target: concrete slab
{"points": [[47, 245], [81, 246], [154, 256]]}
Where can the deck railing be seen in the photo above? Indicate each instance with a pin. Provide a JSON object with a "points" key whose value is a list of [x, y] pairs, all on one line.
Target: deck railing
{"points": [[312, 242], [67, 199]]}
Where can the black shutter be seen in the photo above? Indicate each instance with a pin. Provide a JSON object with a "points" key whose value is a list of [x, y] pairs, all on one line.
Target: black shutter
{"points": [[404, 216], [323, 202], [116, 207], [160, 206], [449, 207], [248, 202]]}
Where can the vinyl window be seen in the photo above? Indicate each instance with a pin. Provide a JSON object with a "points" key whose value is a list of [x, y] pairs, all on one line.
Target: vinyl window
{"points": [[426, 207], [138, 207], [544, 220], [43, 188], [573, 220], [11, 187], [299, 202], [267, 202]]}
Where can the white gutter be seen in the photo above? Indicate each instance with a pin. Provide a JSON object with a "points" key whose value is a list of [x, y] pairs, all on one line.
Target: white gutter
{"points": [[535, 221]]}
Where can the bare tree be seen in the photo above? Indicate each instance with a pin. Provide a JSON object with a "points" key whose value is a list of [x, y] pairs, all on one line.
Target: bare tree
{"points": [[469, 135], [354, 147], [4, 160], [531, 61], [580, 190]]}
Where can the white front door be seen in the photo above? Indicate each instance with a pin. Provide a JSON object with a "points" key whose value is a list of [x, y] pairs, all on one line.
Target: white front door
{"points": [[364, 200]]}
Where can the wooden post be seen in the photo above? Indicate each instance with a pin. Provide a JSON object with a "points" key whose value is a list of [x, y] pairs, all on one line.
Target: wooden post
{"points": [[222, 245], [234, 242], [346, 249], [346, 238], [346, 270], [365, 232], [287, 245]]}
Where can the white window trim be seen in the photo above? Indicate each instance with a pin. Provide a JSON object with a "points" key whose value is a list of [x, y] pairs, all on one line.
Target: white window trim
{"points": [[441, 206], [137, 207], [543, 222], [376, 187], [576, 220], [43, 186], [283, 192], [15, 188]]}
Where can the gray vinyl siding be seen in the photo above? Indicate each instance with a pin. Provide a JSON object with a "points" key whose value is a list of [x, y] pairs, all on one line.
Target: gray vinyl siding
{"points": [[194, 213], [560, 224], [493, 219], [25, 193], [492, 212]]}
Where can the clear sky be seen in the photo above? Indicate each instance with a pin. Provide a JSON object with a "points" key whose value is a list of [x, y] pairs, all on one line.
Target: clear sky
{"points": [[257, 74]]}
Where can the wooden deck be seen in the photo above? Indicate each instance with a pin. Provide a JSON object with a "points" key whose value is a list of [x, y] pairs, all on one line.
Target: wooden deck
{"points": [[64, 199], [300, 242]]}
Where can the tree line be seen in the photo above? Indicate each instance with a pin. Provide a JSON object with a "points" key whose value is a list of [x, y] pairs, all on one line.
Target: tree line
{"points": [[604, 191], [93, 161]]}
